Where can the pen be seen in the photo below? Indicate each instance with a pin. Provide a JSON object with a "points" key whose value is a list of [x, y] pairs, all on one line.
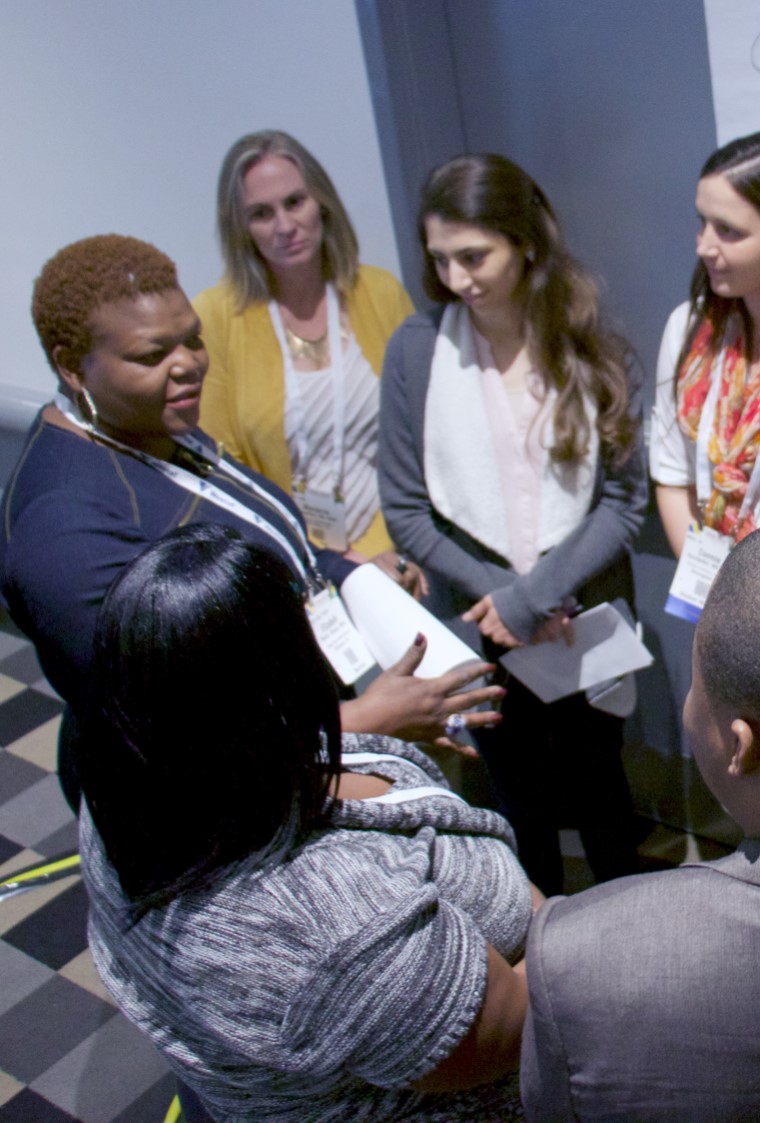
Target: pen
{"points": [[570, 607]]}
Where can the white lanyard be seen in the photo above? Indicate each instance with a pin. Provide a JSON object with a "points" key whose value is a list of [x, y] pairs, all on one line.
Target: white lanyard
{"points": [[704, 467], [294, 396], [402, 795], [406, 795], [208, 491]]}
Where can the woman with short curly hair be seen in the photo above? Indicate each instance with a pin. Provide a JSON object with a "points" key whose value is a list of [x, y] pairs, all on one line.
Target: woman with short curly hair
{"points": [[117, 460]]}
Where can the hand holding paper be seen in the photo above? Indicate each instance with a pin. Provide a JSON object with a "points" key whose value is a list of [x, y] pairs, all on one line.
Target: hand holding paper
{"points": [[605, 647], [490, 623]]}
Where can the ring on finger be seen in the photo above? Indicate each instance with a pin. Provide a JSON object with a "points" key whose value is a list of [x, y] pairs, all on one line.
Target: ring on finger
{"points": [[455, 724], [402, 564]]}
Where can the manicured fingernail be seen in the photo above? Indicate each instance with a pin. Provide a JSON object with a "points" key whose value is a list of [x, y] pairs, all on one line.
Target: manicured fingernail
{"points": [[419, 639]]}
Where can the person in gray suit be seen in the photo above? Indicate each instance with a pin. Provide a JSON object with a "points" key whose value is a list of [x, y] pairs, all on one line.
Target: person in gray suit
{"points": [[645, 991]]}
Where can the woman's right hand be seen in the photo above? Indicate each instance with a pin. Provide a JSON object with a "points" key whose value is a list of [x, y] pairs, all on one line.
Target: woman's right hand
{"points": [[490, 623], [558, 626], [417, 709]]}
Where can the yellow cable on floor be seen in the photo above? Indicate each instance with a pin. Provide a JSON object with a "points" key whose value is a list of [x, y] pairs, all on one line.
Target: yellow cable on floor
{"points": [[42, 871], [39, 875], [174, 1111]]}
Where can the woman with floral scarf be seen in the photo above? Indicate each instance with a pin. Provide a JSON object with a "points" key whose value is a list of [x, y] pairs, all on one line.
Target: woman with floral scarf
{"points": [[706, 427]]}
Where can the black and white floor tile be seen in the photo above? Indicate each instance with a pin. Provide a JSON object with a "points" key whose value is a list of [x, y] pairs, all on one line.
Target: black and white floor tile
{"points": [[66, 1053]]}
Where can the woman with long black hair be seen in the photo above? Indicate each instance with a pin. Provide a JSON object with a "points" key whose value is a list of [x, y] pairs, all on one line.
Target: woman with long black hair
{"points": [[309, 928]]}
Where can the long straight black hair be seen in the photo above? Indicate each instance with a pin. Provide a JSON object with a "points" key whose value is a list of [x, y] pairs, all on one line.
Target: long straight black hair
{"points": [[217, 729]]}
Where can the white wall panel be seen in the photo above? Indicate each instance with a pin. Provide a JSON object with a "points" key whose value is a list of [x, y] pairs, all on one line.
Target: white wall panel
{"points": [[733, 40]]}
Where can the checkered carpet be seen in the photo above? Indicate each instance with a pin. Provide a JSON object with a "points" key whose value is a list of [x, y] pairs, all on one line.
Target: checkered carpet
{"points": [[66, 1053]]}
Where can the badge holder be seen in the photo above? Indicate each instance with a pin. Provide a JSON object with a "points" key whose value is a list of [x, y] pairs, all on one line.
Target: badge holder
{"points": [[704, 552], [325, 517], [339, 640]]}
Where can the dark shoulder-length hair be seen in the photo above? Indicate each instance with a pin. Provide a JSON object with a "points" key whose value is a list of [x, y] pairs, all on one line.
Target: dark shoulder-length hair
{"points": [[567, 341], [739, 163], [245, 269], [218, 726]]}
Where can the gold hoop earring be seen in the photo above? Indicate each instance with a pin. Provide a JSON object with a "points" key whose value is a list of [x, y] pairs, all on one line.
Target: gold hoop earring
{"points": [[87, 409]]}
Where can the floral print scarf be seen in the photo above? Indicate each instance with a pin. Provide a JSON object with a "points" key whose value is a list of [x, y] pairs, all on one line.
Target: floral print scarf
{"points": [[735, 434]]}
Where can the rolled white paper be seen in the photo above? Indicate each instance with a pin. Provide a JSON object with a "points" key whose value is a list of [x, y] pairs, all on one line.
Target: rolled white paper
{"points": [[388, 619]]}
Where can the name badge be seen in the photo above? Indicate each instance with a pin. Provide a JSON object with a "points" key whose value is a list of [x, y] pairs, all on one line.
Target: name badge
{"points": [[325, 517], [339, 640], [704, 552]]}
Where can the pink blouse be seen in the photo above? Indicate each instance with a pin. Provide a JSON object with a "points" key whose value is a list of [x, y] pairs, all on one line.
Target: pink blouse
{"points": [[517, 420]]}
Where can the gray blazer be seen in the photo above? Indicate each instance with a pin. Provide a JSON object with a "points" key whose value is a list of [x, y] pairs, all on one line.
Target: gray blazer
{"points": [[645, 999], [591, 563]]}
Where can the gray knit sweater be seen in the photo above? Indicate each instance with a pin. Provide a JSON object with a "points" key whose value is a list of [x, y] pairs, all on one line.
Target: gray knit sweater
{"points": [[319, 989]]}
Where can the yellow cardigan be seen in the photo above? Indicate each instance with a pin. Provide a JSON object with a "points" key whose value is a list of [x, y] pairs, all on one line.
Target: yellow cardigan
{"points": [[243, 401]]}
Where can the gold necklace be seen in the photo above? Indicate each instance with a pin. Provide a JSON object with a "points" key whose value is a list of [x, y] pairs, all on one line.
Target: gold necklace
{"points": [[315, 350]]}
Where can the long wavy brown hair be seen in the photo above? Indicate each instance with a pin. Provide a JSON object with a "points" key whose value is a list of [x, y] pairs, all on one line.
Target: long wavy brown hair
{"points": [[739, 163], [571, 347]]}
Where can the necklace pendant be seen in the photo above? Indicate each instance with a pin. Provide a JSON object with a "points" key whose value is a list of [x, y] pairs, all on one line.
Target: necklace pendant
{"points": [[316, 351]]}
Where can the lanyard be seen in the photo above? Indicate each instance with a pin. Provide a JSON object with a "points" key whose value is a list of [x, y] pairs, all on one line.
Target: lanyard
{"points": [[294, 396], [210, 492]]}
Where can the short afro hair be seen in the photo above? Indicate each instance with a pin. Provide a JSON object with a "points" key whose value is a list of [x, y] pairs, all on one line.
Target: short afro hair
{"points": [[728, 632], [83, 276]]}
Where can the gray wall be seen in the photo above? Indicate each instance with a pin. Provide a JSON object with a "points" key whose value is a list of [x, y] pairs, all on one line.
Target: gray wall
{"points": [[116, 116], [607, 103], [609, 106]]}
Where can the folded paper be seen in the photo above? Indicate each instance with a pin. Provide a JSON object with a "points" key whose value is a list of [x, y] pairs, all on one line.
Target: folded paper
{"points": [[605, 647]]}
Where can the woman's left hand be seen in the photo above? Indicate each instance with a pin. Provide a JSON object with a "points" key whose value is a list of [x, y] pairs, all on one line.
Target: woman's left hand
{"points": [[402, 705], [490, 623], [559, 626], [403, 571]]}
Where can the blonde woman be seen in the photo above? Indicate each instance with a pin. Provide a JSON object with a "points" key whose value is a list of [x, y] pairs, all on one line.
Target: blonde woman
{"points": [[296, 334]]}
